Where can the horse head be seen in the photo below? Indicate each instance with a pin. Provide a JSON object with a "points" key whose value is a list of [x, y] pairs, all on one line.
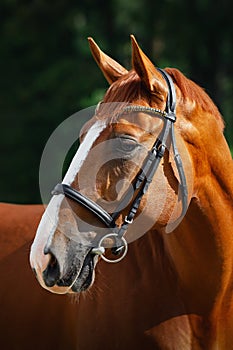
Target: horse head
{"points": [[133, 173]]}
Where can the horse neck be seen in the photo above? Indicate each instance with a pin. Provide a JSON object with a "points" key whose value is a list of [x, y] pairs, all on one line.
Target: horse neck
{"points": [[201, 247], [214, 190]]}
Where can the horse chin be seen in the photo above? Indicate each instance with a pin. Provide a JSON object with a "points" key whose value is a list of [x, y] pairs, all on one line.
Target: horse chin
{"points": [[86, 275]]}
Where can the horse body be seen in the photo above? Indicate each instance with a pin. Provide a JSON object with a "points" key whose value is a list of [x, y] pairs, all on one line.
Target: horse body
{"points": [[137, 305], [30, 317], [172, 291], [167, 297]]}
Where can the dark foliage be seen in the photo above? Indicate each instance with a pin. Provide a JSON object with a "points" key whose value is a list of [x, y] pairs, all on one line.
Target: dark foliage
{"points": [[47, 72]]}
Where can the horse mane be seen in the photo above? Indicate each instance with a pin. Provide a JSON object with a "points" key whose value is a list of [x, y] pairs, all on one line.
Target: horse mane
{"points": [[194, 92], [130, 88]]}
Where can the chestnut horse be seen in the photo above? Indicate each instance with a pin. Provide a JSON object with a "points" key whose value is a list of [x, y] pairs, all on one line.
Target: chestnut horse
{"points": [[30, 317], [173, 289]]}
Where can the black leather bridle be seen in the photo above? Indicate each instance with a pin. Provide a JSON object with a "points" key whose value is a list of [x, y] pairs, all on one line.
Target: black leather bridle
{"points": [[144, 177]]}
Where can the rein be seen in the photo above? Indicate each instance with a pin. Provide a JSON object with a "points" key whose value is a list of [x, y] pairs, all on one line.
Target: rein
{"points": [[142, 180]]}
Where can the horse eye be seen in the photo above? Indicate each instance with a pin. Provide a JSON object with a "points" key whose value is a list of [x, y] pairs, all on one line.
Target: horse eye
{"points": [[127, 144]]}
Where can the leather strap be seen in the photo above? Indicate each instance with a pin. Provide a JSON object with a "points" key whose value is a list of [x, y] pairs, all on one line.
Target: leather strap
{"points": [[86, 202]]}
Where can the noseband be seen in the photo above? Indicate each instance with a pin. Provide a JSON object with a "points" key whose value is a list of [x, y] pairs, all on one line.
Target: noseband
{"points": [[142, 180]]}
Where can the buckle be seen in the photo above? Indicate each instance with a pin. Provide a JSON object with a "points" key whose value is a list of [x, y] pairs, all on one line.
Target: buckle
{"points": [[171, 116], [160, 150], [128, 221]]}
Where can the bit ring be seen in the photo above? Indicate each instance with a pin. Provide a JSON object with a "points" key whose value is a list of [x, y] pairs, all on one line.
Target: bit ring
{"points": [[100, 249]]}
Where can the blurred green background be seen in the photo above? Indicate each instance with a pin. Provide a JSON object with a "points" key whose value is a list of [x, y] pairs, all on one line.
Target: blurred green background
{"points": [[47, 72]]}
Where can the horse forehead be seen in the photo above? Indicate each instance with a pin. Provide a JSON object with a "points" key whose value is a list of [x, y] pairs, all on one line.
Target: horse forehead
{"points": [[137, 122]]}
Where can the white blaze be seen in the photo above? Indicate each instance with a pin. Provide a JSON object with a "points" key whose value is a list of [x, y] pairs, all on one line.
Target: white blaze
{"points": [[83, 151], [49, 221]]}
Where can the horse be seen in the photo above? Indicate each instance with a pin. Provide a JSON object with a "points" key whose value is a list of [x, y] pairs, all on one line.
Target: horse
{"points": [[149, 189], [30, 316]]}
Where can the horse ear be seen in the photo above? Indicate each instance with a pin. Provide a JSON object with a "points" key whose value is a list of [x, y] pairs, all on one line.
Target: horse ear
{"points": [[146, 70], [110, 68]]}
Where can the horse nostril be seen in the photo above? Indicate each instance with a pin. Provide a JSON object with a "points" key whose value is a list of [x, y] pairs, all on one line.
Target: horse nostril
{"points": [[53, 261], [52, 272]]}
